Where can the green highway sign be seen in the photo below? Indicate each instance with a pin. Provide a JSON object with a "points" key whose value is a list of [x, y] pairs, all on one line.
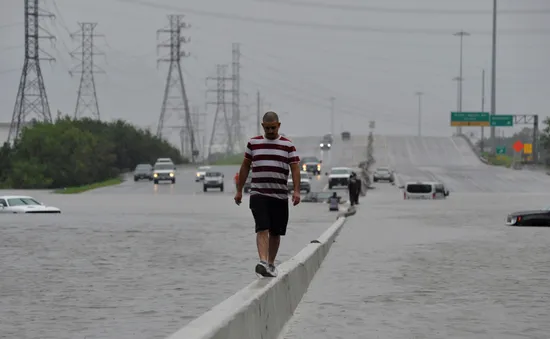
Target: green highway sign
{"points": [[502, 120], [480, 119], [501, 150]]}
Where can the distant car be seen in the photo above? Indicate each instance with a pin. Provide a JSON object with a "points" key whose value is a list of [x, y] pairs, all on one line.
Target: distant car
{"points": [[539, 218], [326, 143], [339, 176], [383, 174], [346, 136], [143, 171], [213, 180], [305, 182], [425, 190], [24, 204], [201, 171], [164, 172], [311, 164], [164, 161], [328, 137]]}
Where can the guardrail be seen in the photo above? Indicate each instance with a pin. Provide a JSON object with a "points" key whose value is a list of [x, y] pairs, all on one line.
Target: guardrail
{"points": [[263, 308], [474, 149]]}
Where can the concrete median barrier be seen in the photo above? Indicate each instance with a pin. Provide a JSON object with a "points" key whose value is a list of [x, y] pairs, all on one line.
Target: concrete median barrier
{"points": [[262, 309]]}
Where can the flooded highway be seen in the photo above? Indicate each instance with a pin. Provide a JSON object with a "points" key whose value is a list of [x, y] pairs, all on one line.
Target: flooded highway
{"points": [[435, 269], [137, 260]]}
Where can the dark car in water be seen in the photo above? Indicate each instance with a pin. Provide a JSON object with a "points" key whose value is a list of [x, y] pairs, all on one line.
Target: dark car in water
{"points": [[311, 165], [143, 171], [346, 136], [539, 218]]}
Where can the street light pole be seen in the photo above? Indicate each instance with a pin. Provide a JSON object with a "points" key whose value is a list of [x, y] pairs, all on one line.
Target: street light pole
{"points": [[419, 94], [332, 115], [493, 75], [460, 34]]}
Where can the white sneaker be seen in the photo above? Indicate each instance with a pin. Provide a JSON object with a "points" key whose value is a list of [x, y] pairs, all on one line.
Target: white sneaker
{"points": [[272, 270], [262, 269]]}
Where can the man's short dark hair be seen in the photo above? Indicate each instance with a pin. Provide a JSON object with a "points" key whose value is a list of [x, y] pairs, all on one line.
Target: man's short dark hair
{"points": [[270, 117]]}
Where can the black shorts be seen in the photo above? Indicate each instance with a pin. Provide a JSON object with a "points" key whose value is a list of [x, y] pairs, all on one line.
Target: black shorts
{"points": [[269, 214]]}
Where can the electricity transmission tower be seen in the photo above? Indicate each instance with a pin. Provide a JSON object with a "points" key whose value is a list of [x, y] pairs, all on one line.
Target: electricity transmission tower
{"points": [[86, 102], [31, 101], [236, 129], [223, 135], [175, 97]]}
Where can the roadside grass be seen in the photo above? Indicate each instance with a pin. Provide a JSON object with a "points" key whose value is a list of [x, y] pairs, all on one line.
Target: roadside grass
{"points": [[235, 159], [498, 160], [80, 189]]}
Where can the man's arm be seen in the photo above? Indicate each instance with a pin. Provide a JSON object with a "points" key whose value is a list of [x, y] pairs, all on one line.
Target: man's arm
{"points": [[245, 167], [295, 168]]}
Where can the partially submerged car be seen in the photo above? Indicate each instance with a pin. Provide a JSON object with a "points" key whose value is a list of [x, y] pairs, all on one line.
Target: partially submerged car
{"points": [[346, 136], [537, 218], [321, 197], [24, 204]]}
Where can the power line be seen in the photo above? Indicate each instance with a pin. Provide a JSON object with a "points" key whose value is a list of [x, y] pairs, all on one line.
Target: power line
{"points": [[86, 102], [32, 100], [421, 11], [316, 25]]}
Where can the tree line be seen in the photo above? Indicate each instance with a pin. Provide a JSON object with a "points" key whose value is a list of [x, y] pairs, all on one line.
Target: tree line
{"points": [[75, 152]]}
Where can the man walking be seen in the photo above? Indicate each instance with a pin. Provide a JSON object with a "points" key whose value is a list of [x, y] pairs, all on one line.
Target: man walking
{"points": [[271, 157]]}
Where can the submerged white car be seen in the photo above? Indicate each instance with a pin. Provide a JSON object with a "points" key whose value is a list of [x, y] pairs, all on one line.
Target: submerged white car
{"points": [[24, 204]]}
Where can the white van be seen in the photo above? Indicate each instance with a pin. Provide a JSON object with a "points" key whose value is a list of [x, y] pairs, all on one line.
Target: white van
{"points": [[427, 190]]}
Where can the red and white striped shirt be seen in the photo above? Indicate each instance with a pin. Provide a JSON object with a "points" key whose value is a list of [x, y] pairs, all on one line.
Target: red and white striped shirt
{"points": [[271, 161]]}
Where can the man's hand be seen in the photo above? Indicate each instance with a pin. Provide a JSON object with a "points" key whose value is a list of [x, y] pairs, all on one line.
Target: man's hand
{"points": [[238, 197], [296, 198]]}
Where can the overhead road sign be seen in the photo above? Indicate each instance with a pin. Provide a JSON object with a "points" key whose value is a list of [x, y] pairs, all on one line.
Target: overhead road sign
{"points": [[473, 119], [502, 120]]}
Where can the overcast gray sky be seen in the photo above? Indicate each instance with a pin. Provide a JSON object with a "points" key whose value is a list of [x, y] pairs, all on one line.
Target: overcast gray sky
{"points": [[372, 60]]}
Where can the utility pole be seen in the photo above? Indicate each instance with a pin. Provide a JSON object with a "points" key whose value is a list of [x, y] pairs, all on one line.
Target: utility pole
{"points": [[493, 75], [236, 106], [86, 102], [332, 130], [458, 80], [460, 34], [481, 145], [258, 123], [175, 95], [31, 101], [419, 94], [221, 106]]}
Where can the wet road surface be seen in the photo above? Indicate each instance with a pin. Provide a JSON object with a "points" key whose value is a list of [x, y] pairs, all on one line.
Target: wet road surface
{"points": [[136, 260], [435, 269], [451, 161]]}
